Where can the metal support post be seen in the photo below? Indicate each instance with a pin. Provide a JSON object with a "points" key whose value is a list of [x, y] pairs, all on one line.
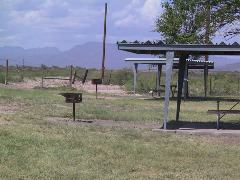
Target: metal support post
{"points": [[205, 79], [135, 71], [186, 82], [159, 72], [169, 67], [182, 65]]}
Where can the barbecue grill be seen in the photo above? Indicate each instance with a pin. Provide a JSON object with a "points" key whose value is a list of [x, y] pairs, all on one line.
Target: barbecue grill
{"points": [[72, 98]]}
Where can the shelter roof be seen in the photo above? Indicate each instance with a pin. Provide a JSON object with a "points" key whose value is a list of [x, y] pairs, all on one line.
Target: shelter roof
{"points": [[158, 47], [192, 64], [163, 61]]}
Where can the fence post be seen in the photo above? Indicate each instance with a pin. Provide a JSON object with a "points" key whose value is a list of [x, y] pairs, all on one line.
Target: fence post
{"points": [[6, 75], [238, 86], [110, 76], [42, 75], [210, 84], [71, 74], [22, 70]]}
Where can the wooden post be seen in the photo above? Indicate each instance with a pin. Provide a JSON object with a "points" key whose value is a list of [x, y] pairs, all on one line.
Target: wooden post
{"points": [[210, 85], [6, 75], [169, 67], [74, 76], [42, 75], [110, 76], [85, 76], [71, 76], [238, 86], [17, 69], [218, 115], [104, 41], [23, 66], [96, 91]]}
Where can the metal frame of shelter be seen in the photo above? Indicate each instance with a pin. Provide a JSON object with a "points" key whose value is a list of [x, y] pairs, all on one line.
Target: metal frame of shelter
{"points": [[159, 62], [182, 51]]}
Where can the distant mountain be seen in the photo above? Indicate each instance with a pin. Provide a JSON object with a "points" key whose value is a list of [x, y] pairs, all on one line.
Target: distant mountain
{"points": [[226, 63], [89, 55], [230, 67]]}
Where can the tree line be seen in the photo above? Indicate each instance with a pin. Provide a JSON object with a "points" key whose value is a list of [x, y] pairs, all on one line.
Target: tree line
{"points": [[198, 21]]}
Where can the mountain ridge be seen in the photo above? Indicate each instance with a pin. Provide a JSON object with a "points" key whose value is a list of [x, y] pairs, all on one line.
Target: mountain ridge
{"points": [[89, 55]]}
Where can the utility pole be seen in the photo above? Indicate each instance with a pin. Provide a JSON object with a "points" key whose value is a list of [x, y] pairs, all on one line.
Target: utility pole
{"points": [[104, 42]]}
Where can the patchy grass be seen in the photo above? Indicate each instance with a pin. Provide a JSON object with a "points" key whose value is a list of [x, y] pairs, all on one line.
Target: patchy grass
{"points": [[34, 148]]}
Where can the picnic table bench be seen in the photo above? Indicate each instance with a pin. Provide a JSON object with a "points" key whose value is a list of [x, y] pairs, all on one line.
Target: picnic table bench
{"points": [[173, 89], [222, 112]]}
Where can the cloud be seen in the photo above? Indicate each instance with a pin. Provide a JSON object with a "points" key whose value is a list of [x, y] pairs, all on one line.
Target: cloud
{"points": [[65, 23], [138, 12], [54, 15], [151, 9], [129, 20]]}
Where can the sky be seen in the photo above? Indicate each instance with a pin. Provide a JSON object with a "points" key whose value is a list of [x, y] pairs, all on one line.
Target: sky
{"points": [[66, 23]]}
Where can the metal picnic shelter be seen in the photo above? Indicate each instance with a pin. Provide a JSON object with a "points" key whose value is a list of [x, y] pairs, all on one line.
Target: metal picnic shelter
{"points": [[181, 51], [160, 62]]}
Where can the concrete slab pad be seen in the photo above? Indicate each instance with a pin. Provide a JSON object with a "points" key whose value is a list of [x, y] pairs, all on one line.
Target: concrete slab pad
{"points": [[210, 132]]}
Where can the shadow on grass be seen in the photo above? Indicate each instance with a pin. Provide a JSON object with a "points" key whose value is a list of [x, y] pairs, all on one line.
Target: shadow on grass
{"points": [[172, 125], [197, 99]]}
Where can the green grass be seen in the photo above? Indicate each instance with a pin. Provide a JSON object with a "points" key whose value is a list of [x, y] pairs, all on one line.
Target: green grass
{"points": [[33, 148], [57, 152]]}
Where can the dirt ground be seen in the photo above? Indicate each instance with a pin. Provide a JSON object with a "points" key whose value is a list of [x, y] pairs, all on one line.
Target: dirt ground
{"points": [[8, 109], [88, 87]]}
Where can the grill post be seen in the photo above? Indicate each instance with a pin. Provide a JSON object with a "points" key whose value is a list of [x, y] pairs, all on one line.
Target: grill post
{"points": [[74, 111], [96, 82]]}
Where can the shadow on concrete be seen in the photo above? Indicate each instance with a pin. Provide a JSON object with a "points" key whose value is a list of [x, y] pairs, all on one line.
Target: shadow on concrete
{"points": [[186, 125]]}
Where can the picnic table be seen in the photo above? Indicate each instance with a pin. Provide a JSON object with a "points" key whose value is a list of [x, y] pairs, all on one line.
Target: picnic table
{"points": [[173, 90], [222, 112]]}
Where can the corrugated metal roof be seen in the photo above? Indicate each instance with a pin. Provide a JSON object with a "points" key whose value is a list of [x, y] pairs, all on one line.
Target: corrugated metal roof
{"points": [[162, 43], [158, 47], [192, 64], [163, 60]]}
